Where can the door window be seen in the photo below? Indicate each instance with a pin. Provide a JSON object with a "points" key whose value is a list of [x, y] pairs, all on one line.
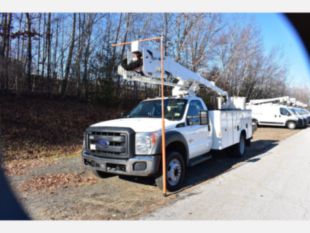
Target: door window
{"points": [[193, 112], [284, 112]]}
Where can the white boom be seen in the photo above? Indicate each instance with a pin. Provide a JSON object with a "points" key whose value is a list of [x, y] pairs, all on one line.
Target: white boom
{"points": [[188, 81], [183, 80], [299, 104], [282, 100]]}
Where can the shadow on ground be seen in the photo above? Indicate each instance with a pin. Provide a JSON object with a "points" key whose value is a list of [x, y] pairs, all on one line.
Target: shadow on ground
{"points": [[223, 162], [220, 163]]}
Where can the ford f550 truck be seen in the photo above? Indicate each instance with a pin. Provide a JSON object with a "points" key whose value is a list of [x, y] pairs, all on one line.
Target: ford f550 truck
{"points": [[131, 145]]}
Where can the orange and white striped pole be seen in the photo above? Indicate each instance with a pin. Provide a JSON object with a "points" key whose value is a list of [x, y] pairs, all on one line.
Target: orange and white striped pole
{"points": [[163, 128]]}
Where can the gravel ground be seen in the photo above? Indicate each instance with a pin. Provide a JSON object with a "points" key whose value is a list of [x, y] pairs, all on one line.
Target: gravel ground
{"points": [[120, 198]]}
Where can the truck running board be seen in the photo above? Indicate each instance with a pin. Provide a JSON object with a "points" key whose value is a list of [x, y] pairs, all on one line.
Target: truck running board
{"points": [[199, 159]]}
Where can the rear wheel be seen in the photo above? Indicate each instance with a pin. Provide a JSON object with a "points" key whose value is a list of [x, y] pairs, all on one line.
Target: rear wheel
{"points": [[239, 149], [291, 125], [175, 166], [254, 123]]}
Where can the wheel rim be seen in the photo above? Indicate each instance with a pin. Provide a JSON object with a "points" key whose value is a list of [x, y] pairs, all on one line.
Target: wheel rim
{"points": [[291, 125], [174, 172], [242, 145]]}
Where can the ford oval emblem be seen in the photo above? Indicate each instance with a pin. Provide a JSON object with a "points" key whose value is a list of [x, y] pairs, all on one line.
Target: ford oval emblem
{"points": [[103, 143]]}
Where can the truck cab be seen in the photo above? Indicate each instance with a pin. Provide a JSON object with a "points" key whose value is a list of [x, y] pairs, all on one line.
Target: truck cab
{"points": [[132, 145]]}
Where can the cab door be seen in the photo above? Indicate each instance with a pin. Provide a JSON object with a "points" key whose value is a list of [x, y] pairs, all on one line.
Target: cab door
{"points": [[283, 115], [198, 136]]}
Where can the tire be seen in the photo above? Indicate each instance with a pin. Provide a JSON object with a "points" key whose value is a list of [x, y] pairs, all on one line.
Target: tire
{"points": [[238, 150], [254, 123], [291, 125], [101, 174], [176, 170]]}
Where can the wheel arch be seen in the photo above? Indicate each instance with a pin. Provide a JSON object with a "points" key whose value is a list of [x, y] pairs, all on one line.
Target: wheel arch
{"points": [[293, 121], [243, 132], [176, 141]]}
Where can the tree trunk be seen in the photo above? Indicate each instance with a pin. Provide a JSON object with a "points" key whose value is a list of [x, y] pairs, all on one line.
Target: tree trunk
{"points": [[81, 41], [4, 26], [48, 45], [39, 47], [69, 59], [29, 54], [7, 52], [87, 54], [55, 51], [44, 47]]}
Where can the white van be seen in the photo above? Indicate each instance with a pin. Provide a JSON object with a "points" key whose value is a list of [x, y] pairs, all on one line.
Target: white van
{"points": [[270, 114], [307, 114], [301, 114]]}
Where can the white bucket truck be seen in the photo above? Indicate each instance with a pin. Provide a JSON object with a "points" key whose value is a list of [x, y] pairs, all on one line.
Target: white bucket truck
{"points": [[274, 112], [132, 145]]}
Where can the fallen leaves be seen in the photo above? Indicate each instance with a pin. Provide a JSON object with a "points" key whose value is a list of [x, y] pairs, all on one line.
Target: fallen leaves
{"points": [[22, 166], [36, 127], [51, 182]]}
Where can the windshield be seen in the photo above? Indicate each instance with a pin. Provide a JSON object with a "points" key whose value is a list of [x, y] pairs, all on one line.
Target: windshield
{"points": [[174, 109], [300, 111], [294, 111]]}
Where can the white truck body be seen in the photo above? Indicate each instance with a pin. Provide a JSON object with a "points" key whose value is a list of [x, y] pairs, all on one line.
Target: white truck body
{"points": [[227, 125]]}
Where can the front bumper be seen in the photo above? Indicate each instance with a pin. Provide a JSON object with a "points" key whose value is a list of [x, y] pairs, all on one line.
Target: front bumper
{"points": [[150, 164], [300, 123]]}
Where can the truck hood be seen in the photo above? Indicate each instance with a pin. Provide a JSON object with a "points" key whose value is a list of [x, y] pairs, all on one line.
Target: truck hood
{"points": [[138, 124]]}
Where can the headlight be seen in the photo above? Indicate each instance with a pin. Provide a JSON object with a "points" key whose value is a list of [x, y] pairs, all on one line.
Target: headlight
{"points": [[84, 141], [145, 143]]}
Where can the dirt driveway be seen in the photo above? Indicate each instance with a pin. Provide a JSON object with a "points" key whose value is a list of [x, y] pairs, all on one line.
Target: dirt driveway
{"points": [[62, 189]]}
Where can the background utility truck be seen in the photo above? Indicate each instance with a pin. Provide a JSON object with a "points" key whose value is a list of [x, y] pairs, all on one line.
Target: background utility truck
{"points": [[274, 112], [132, 145]]}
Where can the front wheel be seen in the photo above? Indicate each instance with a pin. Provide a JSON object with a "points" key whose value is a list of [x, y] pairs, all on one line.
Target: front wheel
{"points": [[291, 125], [175, 166]]}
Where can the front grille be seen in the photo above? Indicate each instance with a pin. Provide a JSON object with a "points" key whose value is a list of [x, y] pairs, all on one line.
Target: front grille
{"points": [[110, 142]]}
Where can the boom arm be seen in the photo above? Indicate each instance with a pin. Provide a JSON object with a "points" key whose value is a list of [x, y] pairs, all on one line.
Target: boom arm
{"points": [[284, 99], [182, 79]]}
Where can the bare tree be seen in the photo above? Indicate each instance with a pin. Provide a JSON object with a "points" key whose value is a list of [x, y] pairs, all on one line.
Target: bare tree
{"points": [[69, 59], [49, 47], [29, 52], [87, 52]]}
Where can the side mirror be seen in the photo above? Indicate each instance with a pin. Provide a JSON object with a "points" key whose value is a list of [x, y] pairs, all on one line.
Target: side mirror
{"points": [[204, 117], [189, 121], [123, 115]]}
